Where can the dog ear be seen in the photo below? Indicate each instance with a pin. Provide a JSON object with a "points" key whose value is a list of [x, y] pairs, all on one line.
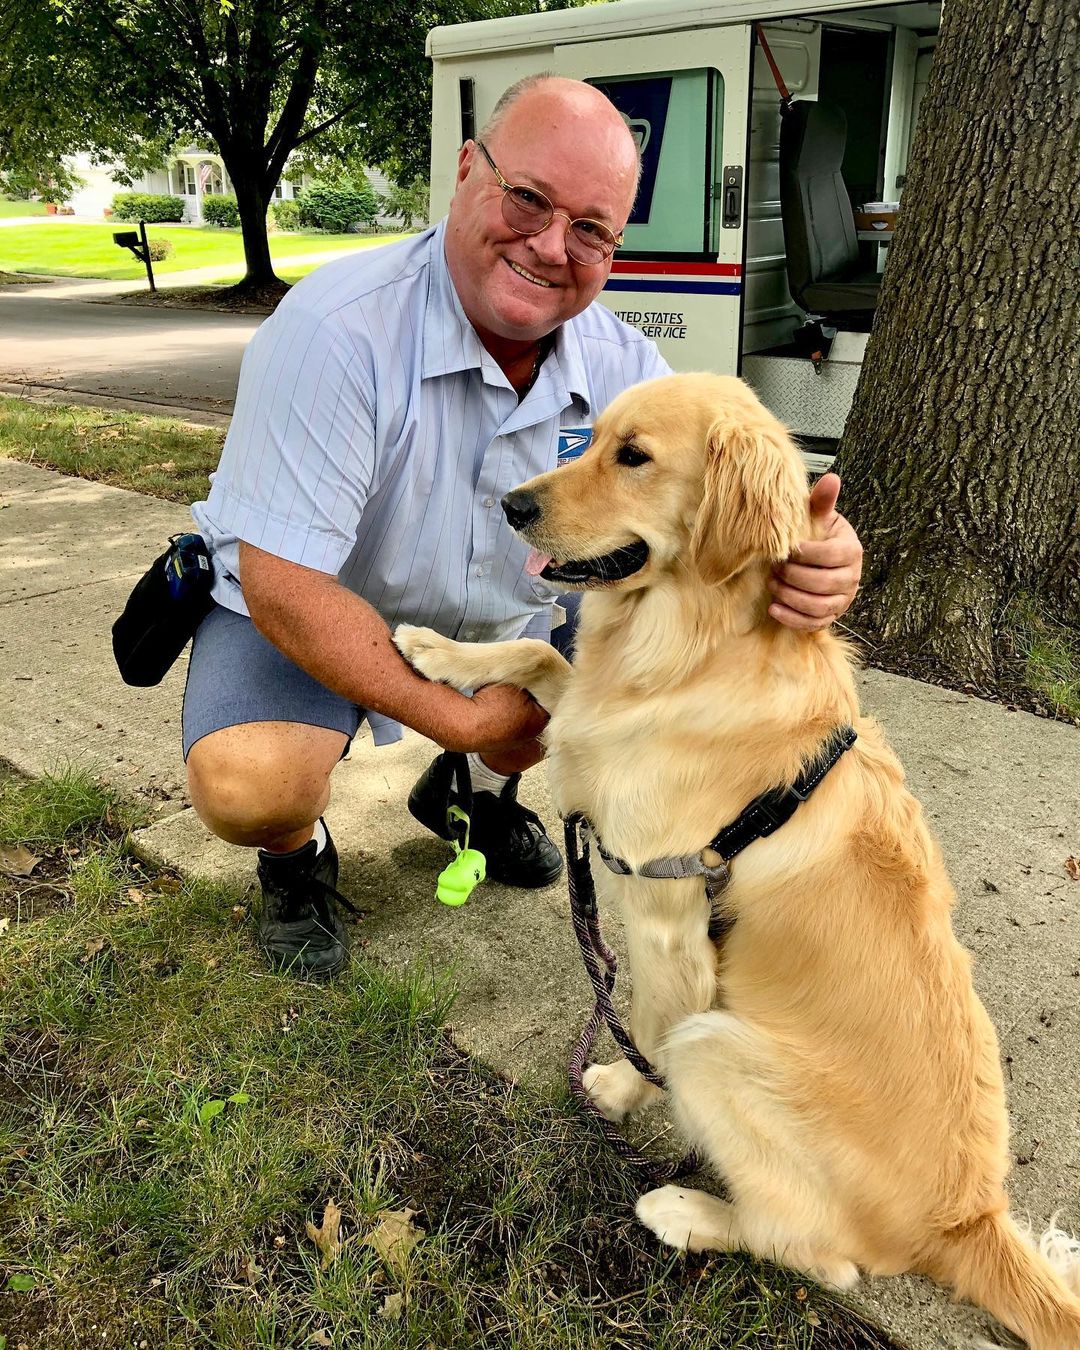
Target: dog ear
{"points": [[756, 498]]}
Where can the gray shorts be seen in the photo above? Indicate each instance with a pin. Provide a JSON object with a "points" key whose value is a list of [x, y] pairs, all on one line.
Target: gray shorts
{"points": [[236, 676]]}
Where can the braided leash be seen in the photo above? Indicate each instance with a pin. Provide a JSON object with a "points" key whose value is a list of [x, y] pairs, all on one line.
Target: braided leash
{"points": [[601, 963]]}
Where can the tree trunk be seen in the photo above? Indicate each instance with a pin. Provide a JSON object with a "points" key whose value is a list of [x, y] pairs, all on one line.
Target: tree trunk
{"points": [[251, 202], [961, 457]]}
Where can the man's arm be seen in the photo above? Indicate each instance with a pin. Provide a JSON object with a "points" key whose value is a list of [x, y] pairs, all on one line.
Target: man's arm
{"points": [[818, 582], [342, 642]]}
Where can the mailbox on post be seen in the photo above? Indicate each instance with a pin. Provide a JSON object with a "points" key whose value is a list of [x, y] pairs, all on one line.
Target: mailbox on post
{"points": [[139, 245]]}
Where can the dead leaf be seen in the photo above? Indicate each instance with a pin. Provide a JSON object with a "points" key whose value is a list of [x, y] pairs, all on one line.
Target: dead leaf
{"points": [[326, 1237], [396, 1236], [5, 924], [1072, 867], [251, 1270], [135, 895], [319, 1338], [94, 947], [393, 1305], [17, 861]]}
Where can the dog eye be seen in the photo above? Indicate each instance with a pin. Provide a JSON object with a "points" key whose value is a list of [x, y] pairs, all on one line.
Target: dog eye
{"points": [[631, 456]]}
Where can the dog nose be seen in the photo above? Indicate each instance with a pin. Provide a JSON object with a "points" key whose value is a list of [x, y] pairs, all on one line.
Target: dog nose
{"points": [[520, 508]]}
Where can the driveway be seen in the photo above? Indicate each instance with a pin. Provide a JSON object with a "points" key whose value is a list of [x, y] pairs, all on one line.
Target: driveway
{"points": [[174, 359]]}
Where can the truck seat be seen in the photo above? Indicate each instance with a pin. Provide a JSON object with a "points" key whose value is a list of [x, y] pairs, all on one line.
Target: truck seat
{"points": [[823, 266]]}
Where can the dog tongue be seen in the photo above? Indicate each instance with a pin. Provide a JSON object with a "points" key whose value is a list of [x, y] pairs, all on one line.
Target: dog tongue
{"points": [[536, 562]]}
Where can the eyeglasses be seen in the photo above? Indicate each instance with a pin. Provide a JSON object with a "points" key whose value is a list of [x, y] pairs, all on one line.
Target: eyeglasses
{"points": [[528, 211]]}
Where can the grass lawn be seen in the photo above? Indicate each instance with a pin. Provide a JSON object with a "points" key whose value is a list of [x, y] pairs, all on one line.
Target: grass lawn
{"points": [[195, 1152], [159, 455], [61, 248], [1050, 653], [21, 208]]}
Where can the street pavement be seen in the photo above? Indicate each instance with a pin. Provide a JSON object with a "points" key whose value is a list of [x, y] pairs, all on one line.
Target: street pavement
{"points": [[78, 336], [52, 339]]}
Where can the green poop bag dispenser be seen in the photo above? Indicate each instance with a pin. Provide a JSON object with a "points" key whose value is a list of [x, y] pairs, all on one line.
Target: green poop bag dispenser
{"points": [[460, 878]]}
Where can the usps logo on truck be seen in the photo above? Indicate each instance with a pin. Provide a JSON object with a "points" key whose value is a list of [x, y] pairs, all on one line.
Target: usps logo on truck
{"points": [[644, 103], [573, 442]]}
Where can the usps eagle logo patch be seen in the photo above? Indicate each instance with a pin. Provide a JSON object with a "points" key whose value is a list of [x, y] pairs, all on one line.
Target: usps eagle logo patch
{"points": [[573, 442]]}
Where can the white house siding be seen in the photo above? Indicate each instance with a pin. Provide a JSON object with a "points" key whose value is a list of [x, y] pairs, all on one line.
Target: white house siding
{"points": [[100, 185]]}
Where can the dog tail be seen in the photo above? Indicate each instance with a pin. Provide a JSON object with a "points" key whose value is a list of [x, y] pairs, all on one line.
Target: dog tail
{"points": [[994, 1263]]}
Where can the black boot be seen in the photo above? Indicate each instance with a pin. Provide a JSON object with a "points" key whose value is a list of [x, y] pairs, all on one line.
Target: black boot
{"points": [[299, 926], [509, 835]]}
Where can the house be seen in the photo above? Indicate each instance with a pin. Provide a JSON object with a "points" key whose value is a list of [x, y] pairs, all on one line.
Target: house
{"points": [[190, 173]]}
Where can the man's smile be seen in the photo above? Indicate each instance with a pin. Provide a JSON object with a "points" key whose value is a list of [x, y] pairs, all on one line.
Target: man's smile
{"points": [[529, 276]]}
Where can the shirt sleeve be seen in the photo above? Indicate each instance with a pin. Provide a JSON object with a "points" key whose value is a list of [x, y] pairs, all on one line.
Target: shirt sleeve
{"points": [[653, 364], [299, 457]]}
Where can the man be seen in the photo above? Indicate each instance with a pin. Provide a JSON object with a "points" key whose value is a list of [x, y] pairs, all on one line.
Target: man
{"points": [[382, 413]]}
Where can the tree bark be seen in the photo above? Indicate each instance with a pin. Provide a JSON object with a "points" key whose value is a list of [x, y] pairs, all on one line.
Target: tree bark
{"points": [[961, 456], [251, 202]]}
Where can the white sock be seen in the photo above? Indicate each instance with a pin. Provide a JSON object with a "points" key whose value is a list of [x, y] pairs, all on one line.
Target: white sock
{"points": [[319, 835], [484, 779]]}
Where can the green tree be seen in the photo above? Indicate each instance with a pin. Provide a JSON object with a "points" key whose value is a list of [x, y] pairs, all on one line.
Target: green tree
{"points": [[256, 79], [960, 457], [51, 107]]}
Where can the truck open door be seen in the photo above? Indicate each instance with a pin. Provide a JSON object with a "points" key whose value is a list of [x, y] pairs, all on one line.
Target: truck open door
{"points": [[679, 275]]}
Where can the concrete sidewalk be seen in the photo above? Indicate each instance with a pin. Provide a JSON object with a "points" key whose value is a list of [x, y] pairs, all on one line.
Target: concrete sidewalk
{"points": [[1002, 791]]}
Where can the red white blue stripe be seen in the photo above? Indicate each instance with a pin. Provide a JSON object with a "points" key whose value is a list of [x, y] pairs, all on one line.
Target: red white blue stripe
{"points": [[676, 278]]}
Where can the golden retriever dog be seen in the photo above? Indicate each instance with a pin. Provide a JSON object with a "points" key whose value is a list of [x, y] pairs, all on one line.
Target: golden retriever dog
{"points": [[829, 1057]]}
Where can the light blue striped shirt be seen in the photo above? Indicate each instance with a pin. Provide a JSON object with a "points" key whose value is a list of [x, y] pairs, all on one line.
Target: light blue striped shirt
{"points": [[374, 437]]}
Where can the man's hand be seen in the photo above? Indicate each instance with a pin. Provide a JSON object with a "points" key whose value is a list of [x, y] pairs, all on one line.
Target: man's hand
{"points": [[818, 582], [501, 720]]}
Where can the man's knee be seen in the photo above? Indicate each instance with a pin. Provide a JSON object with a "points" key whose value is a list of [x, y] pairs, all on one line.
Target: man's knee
{"points": [[254, 783]]}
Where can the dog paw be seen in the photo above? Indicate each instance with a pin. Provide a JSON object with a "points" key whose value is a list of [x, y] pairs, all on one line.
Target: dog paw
{"points": [[426, 651], [690, 1220], [834, 1272], [683, 1219], [618, 1090]]}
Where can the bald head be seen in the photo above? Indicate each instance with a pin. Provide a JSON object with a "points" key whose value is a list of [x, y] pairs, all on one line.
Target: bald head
{"points": [[573, 99]]}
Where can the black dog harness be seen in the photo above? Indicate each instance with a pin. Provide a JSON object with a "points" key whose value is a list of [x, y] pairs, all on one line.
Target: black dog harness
{"points": [[764, 816]]}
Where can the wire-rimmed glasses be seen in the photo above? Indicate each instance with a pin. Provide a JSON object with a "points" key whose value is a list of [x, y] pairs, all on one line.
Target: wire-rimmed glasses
{"points": [[527, 211]]}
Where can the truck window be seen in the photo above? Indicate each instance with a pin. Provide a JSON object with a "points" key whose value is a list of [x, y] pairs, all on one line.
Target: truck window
{"points": [[676, 117]]}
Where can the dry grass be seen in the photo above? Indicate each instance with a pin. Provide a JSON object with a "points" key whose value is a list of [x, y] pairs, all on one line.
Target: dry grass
{"points": [[159, 455]]}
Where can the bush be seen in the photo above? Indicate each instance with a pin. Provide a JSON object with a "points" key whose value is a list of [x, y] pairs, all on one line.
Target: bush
{"points": [[220, 209], [152, 207], [286, 213], [336, 206], [159, 249]]}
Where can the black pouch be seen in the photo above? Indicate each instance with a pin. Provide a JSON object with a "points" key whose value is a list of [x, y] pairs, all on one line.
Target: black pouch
{"points": [[163, 611]]}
